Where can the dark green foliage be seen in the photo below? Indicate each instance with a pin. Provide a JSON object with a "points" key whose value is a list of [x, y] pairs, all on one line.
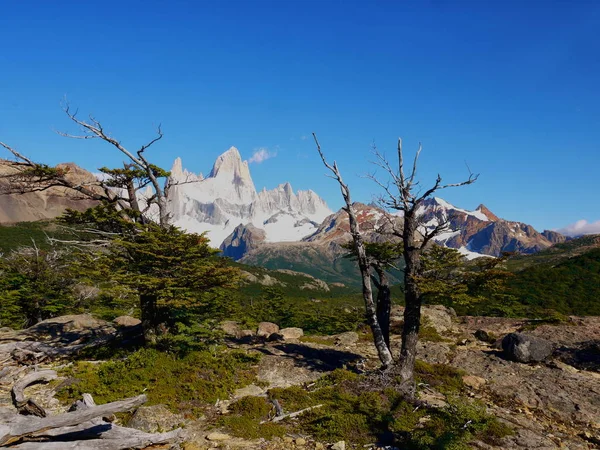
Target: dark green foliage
{"points": [[35, 284], [569, 287], [184, 383], [15, 236]]}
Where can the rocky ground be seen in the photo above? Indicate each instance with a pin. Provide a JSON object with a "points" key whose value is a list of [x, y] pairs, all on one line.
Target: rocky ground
{"points": [[552, 403]]}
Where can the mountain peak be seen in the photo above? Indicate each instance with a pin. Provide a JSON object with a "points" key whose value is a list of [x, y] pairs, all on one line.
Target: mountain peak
{"points": [[490, 215], [230, 162]]}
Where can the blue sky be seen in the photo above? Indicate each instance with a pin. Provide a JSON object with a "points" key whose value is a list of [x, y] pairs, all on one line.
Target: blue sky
{"points": [[511, 88]]}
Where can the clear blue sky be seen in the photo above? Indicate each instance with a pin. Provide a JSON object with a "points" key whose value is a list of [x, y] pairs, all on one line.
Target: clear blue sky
{"points": [[512, 88]]}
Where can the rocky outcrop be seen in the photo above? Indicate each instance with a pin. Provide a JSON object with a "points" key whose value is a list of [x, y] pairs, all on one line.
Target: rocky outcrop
{"points": [[243, 239]]}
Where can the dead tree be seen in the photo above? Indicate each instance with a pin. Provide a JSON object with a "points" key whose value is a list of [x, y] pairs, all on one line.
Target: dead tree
{"points": [[385, 355], [403, 194]]}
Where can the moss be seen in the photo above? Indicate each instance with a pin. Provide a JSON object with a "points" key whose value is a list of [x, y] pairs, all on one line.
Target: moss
{"points": [[184, 384], [444, 378], [252, 407], [313, 339], [249, 428]]}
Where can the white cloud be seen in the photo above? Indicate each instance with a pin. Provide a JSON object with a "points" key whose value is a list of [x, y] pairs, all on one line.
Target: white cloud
{"points": [[261, 154], [303, 137], [581, 227]]}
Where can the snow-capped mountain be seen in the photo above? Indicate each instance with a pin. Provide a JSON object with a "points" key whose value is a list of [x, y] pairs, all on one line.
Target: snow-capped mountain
{"points": [[227, 198], [481, 232]]}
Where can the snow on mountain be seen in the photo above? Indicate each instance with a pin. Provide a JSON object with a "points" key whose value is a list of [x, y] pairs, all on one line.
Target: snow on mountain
{"points": [[227, 198]]}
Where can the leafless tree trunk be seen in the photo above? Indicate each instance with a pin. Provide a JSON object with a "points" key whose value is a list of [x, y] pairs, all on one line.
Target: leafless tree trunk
{"points": [[401, 195], [385, 355]]}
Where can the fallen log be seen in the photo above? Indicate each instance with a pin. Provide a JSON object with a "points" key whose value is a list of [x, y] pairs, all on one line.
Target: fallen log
{"points": [[15, 430], [27, 406], [102, 444]]}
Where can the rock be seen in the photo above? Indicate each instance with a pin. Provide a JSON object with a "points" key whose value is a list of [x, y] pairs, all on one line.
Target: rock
{"points": [[154, 419], [347, 338], [319, 446], [249, 391], [266, 329], [231, 328], [341, 445], [126, 321], [247, 337], [485, 336], [473, 381], [300, 441], [291, 333], [522, 348], [439, 317], [216, 436]]}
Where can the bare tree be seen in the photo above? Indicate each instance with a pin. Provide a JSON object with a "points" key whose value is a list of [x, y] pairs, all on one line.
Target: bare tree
{"points": [[384, 352], [403, 194]]}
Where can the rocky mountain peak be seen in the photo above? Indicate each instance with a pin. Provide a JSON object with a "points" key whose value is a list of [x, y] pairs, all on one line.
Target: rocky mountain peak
{"points": [[490, 215]]}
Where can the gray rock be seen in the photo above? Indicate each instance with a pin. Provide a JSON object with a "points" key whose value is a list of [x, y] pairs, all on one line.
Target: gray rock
{"points": [[522, 348], [231, 328], [155, 418], [291, 333], [266, 329], [126, 321]]}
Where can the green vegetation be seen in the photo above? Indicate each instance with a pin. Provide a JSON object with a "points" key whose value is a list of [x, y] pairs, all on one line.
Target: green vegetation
{"points": [[359, 410], [184, 383]]}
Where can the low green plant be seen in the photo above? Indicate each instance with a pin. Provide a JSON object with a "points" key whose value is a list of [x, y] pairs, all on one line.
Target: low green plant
{"points": [[183, 383], [357, 409]]}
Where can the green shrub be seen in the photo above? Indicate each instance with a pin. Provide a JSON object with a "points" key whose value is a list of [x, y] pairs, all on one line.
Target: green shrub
{"points": [[182, 383]]}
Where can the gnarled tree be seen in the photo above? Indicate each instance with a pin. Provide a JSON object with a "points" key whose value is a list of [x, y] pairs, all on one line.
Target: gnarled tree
{"points": [[401, 194]]}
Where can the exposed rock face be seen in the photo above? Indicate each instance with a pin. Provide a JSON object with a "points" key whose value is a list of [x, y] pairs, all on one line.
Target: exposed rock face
{"points": [[481, 231], [522, 348], [243, 239], [46, 204]]}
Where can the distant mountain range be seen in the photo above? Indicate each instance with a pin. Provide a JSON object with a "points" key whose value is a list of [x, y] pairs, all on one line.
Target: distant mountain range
{"points": [[281, 229]]}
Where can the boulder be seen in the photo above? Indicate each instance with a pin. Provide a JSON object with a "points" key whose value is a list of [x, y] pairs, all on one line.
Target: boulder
{"points": [[155, 418], [126, 321], [266, 329], [439, 317], [231, 328], [291, 333], [523, 348]]}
